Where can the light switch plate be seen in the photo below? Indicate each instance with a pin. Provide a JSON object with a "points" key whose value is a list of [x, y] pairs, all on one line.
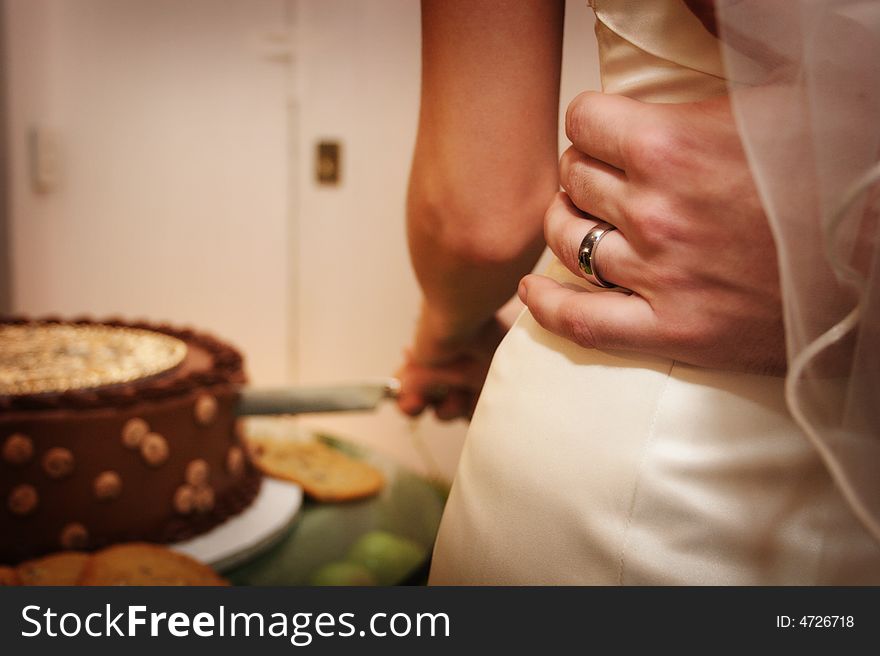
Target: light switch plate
{"points": [[328, 162]]}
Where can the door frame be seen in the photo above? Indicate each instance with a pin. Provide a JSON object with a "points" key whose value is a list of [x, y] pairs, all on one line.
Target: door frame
{"points": [[5, 245]]}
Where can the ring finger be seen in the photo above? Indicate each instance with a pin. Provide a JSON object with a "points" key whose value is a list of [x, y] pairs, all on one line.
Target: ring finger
{"points": [[565, 227]]}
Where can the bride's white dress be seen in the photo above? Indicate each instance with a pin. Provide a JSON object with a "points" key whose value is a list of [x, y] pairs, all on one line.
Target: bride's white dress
{"points": [[591, 467]]}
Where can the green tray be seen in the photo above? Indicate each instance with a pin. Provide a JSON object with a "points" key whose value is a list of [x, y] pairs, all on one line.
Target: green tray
{"points": [[408, 507]]}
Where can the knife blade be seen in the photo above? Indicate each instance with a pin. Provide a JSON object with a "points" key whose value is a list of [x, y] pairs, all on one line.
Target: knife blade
{"points": [[320, 398]]}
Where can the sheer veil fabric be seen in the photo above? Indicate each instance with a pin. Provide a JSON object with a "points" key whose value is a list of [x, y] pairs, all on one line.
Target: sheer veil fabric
{"points": [[804, 79]]}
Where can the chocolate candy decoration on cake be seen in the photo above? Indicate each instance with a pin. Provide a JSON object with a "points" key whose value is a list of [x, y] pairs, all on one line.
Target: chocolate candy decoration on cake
{"points": [[18, 449], [205, 409], [134, 431], [197, 472], [154, 449], [23, 500], [204, 499], [74, 536], [235, 461], [58, 462], [193, 498], [184, 499], [107, 485]]}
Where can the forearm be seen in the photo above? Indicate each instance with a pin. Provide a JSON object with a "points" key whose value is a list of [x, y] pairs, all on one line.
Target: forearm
{"points": [[469, 254], [484, 168]]}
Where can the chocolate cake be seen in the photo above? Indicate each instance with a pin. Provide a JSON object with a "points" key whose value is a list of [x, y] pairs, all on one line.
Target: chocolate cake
{"points": [[114, 431]]}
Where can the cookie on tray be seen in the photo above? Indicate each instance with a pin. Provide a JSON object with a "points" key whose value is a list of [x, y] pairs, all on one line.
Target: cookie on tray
{"points": [[7, 576], [325, 473], [62, 568], [139, 563]]}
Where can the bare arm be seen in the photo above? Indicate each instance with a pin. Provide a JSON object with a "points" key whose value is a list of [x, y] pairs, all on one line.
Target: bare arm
{"points": [[485, 163]]}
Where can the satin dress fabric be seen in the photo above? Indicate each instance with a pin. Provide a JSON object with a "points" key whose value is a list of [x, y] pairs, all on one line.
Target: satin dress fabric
{"points": [[584, 466]]}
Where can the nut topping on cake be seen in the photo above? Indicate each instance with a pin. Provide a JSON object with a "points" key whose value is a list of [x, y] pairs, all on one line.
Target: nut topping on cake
{"points": [[154, 449], [74, 536], [108, 485], [134, 431], [184, 499], [235, 461], [205, 409], [59, 357], [58, 462], [197, 472], [23, 499], [18, 449]]}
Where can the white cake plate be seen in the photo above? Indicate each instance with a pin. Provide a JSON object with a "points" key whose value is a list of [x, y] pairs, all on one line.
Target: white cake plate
{"points": [[253, 531]]}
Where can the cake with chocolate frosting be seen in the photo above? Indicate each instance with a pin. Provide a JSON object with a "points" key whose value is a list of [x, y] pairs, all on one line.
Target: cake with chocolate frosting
{"points": [[114, 431]]}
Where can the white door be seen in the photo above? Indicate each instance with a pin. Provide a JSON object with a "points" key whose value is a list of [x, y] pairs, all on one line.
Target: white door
{"points": [[149, 157]]}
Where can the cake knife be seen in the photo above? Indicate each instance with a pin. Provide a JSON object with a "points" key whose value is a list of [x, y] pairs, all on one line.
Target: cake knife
{"points": [[323, 398]]}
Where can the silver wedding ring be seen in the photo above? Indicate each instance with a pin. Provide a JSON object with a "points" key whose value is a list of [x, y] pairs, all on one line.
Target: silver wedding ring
{"points": [[587, 254]]}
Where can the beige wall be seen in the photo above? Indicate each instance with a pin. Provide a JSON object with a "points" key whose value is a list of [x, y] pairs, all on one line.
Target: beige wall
{"points": [[187, 193]]}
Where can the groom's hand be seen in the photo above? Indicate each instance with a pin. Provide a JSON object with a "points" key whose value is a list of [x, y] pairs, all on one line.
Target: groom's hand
{"points": [[692, 241]]}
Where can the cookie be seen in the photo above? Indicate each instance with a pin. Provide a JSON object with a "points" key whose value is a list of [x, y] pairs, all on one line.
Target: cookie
{"points": [[8, 576], [138, 563], [324, 473], [63, 568]]}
